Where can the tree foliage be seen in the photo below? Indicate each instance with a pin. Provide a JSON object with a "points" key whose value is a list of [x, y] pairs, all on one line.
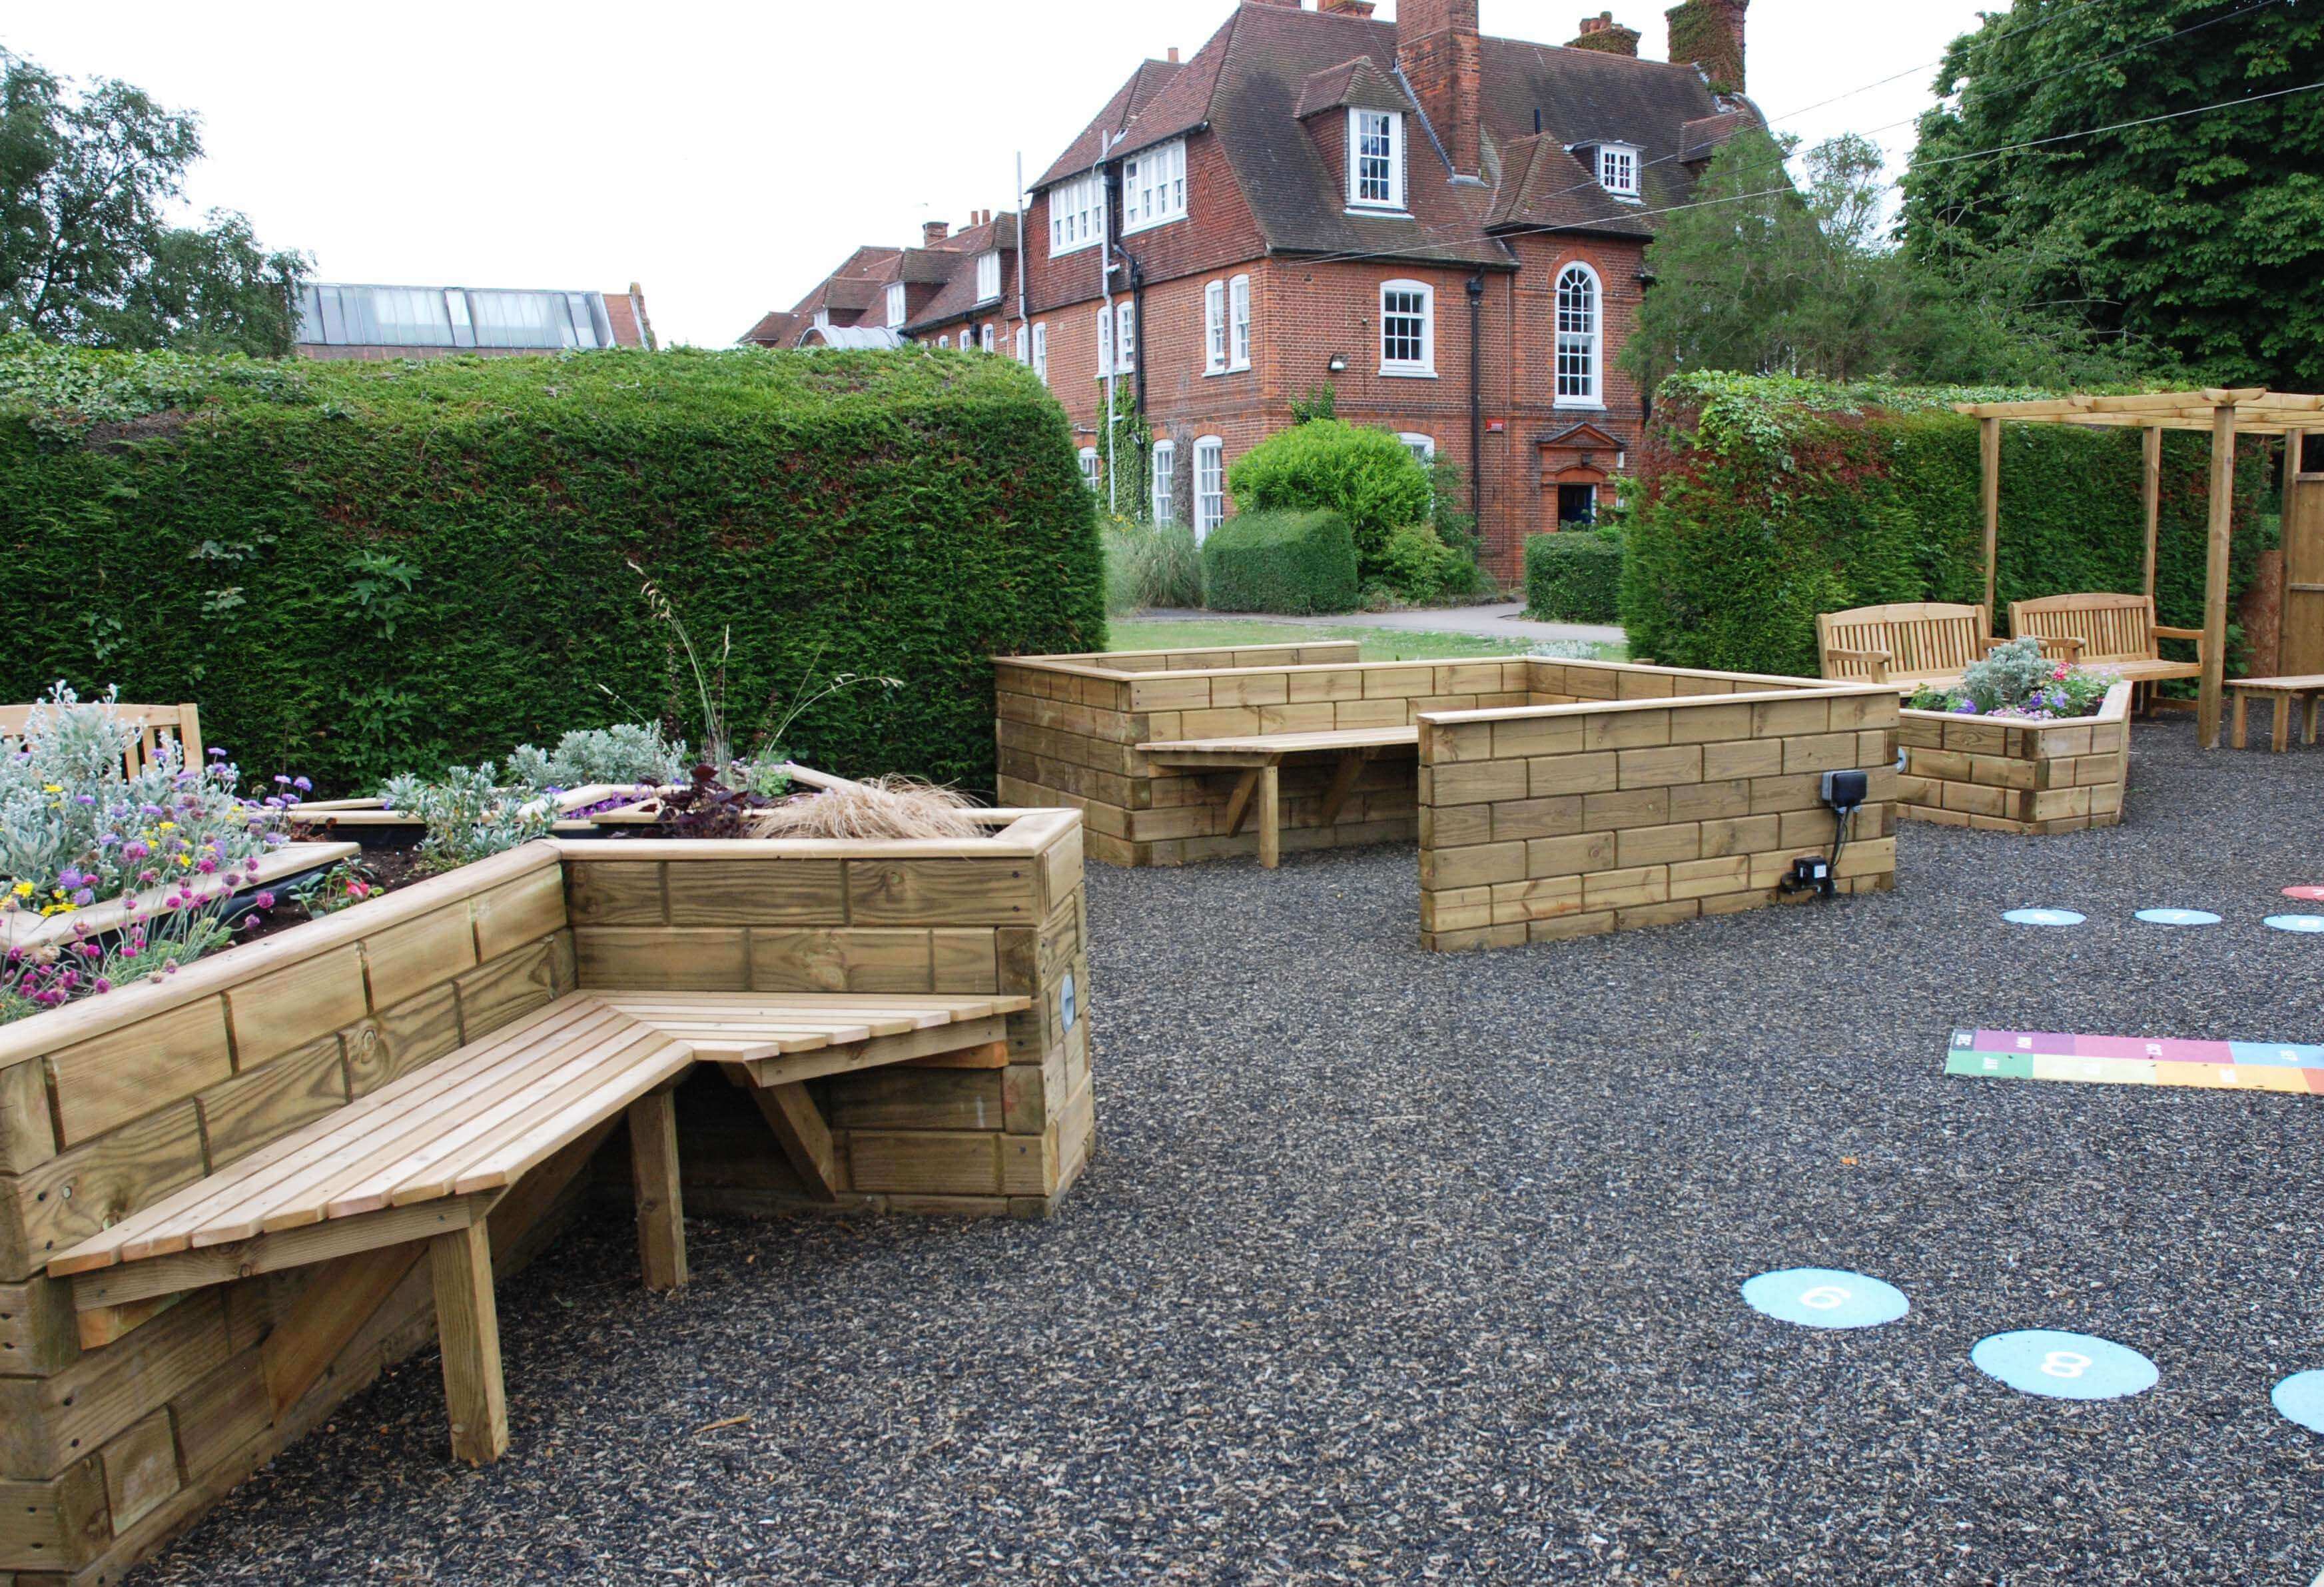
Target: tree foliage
{"points": [[89, 253], [2199, 238]]}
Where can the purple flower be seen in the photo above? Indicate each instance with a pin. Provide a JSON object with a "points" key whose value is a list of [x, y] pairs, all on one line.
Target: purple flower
{"points": [[217, 753], [85, 898], [135, 849], [284, 780], [264, 900], [302, 785]]}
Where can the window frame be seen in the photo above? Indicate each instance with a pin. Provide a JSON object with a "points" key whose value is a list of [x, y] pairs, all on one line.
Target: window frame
{"points": [[1024, 345], [1421, 447], [1093, 468], [1161, 490], [896, 315], [1424, 368], [1214, 328], [1595, 400], [1041, 351], [1148, 203], [1610, 152], [1125, 336], [985, 341], [988, 264], [1076, 213], [1394, 202], [1104, 341], [1239, 332], [1210, 451]]}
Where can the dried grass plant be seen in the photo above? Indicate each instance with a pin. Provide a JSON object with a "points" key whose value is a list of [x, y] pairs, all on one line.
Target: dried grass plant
{"points": [[883, 808]]}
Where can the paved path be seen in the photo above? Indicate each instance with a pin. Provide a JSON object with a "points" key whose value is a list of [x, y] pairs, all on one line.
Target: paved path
{"points": [[1503, 620]]}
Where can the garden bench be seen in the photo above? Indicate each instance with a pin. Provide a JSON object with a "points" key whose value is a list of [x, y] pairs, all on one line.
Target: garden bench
{"points": [[1913, 644], [163, 723], [2286, 692], [2118, 632], [1259, 757], [416, 1166]]}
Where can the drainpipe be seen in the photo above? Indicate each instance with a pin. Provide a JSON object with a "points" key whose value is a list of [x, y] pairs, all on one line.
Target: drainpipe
{"points": [[1023, 318], [1105, 283], [1477, 406]]}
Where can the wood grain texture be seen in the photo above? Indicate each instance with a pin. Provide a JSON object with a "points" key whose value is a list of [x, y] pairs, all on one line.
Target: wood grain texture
{"points": [[395, 1042], [468, 1329], [125, 1073], [660, 1205], [47, 1423], [757, 893], [515, 913], [27, 1134], [408, 959], [295, 1004], [58, 1524], [78, 1193], [141, 1468], [951, 892], [37, 1334], [258, 1106]]}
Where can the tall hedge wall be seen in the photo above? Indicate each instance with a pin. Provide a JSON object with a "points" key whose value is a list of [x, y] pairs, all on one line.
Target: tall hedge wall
{"points": [[1765, 500], [232, 533]]}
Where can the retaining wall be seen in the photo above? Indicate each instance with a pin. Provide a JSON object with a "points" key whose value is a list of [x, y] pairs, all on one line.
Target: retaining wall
{"points": [[2031, 777]]}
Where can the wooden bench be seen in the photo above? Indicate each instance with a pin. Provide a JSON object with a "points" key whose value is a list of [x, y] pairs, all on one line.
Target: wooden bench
{"points": [[1259, 757], [2286, 692], [2118, 632], [1913, 644], [413, 1169], [162, 723]]}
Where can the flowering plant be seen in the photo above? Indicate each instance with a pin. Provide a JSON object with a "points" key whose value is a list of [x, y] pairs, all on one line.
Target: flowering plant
{"points": [[2016, 681], [192, 919], [470, 814]]}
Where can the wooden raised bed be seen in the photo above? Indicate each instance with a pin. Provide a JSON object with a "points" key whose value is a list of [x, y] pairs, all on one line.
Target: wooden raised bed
{"points": [[1998, 775], [111, 1440]]}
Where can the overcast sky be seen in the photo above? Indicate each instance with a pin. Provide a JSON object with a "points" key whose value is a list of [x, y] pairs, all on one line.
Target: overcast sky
{"points": [[727, 156]]}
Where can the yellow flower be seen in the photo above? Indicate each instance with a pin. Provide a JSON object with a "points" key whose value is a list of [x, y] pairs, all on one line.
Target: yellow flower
{"points": [[24, 889], [167, 827], [52, 787]]}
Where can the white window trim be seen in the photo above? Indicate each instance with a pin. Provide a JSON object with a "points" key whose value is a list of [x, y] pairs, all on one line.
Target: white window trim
{"points": [[1596, 401], [988, 341], [1041, 351], [1425, 369], [1214, 329], [1216, 450], [1125, 338], [895, 304], [1423, 445], [1394, 202], [1024, 348], [1104, 341], [1238, 330], [945, 341], [1093, 469], [1076, 213], [1637, 169], [1145, 207], [988, 265], [1162, 490]]}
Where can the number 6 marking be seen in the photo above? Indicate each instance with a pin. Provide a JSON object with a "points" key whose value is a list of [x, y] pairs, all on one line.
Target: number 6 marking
{"points": [[2065, 1363], [1824, 1297]]}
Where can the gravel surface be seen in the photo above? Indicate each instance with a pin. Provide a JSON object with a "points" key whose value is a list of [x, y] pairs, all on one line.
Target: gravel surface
{"points": [[1406, 1268]]}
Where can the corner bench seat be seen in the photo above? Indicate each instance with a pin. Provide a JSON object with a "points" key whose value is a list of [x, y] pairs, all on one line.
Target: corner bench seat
{"points": [[423, 1159], [1259, 756]]}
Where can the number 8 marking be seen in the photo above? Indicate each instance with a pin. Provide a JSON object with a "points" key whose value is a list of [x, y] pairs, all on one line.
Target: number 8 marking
{"points": [[1824, 1297], [2065, 1363]]}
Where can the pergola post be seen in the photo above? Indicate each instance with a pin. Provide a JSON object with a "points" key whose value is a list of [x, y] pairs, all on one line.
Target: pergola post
{"points": [[2214, 574], [1989, 456], [2154, 499]]}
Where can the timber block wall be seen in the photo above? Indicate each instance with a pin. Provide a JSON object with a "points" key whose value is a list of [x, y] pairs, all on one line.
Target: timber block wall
{"points": [[109, 1446], [1000, 914], [1603, 814], [2031, 777]]}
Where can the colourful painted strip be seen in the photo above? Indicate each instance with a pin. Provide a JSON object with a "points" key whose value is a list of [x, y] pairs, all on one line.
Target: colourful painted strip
{"points": [[2119, 1060]]}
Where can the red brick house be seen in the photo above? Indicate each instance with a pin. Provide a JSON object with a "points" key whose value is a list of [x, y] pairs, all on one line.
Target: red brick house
{"points": [[955, 289], [1447, 229]]}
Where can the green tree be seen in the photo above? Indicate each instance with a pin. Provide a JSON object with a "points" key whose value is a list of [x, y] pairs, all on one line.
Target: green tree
{"points": [[2199, 238], [87, 252]]}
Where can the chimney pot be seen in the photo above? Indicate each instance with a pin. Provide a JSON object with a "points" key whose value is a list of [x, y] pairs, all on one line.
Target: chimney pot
{"points": [[932, 232], [1174, 54]]}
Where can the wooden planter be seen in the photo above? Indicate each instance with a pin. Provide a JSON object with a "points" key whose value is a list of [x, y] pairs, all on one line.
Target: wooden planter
{"points": [[2001, 776], [113, 1438]]}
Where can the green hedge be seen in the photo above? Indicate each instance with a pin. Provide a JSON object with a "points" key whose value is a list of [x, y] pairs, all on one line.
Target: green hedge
{"points": [[1368, 476], [1765, 500], [1574, 576], [239, 534], [1293, 562]]}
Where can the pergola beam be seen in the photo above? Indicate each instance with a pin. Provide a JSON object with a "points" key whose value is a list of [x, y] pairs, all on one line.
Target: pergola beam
{"points": [[2215, 575]]}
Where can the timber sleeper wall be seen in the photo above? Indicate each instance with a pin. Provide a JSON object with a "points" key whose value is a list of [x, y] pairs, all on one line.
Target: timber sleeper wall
{"points": [[1568, 820], [110, 1441], [1069, 726], [2001, 776]]}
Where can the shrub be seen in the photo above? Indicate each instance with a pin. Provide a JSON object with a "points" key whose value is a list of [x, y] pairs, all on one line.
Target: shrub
{"points": [[2016, 679], [470, 814], [1291, 562], [629, 752], [363, 569], [1417, 565], [1146, 566], [1764, 500], [1574, 576], [1367, 476]]}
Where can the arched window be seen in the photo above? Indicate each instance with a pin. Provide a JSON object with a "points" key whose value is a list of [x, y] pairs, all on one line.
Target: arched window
{"points": [[1581, 338]]}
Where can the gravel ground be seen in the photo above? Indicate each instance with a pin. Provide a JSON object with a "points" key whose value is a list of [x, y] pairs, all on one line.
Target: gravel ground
{"points": [[1398, 1268]]}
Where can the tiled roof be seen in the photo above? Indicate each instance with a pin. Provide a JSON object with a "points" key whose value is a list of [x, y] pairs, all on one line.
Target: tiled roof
{"points": [[1128, 102], [1352, 83], [775, 329], [1700, 140]]}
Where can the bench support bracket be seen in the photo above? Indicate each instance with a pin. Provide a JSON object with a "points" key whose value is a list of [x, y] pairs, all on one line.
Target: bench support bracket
{"points": [[799, 1130]]}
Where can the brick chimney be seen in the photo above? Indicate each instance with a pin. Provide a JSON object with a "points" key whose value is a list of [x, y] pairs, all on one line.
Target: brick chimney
{"points": [[1710, 34], [1608, 37], [1438, 52], [932, 232]]}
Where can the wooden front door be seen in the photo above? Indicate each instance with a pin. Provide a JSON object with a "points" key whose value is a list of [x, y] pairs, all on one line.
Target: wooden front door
{"points": [[2302, 650]]}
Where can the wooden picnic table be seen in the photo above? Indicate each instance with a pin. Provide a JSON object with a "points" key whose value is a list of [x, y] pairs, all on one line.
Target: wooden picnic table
{"points": [[1260, 755], [2285, 691]]}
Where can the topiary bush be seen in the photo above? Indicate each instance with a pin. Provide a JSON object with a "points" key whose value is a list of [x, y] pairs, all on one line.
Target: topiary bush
{"points": [[1290, 562], [1574, 576], [1763, 501], [366, 568], [1367, 476], [1415, 564]]}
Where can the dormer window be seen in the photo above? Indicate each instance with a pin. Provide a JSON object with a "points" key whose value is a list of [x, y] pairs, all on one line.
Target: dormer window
{"points": [[1076, 213], [1618, 170], [988, 277], [1375, 159], [1154, 186], [895, 304]]}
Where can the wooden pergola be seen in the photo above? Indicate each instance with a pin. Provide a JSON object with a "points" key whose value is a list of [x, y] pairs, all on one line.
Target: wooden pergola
{"points": [[2227, 413]]}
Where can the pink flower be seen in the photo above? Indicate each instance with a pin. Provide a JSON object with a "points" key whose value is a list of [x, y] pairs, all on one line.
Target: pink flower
{"points": [[264, 900]]}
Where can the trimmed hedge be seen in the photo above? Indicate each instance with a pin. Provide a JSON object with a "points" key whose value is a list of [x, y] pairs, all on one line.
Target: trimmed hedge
{"points": [[1764, 500], [1291, 562], [1574, 576], [357, 570], [1368, 476]]}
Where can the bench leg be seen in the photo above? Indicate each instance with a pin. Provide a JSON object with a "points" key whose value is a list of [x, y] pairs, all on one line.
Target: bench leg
{"points": [[1270, 817], [469, 1330], [661, 1210], [799, 1130], [2315, 703], [2243, 720], [2280, 739]]}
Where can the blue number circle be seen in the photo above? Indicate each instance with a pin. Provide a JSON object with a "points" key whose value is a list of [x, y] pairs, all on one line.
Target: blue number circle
{"points": [[2301, 1398], [1825, 1298], [2043, 918], [2063, 1366], [2179, 917], [2308, 923]]}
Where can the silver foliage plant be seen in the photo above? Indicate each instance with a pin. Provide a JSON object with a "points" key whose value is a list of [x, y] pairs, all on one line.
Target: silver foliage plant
{"points": [[470, 814], [628, 752]]}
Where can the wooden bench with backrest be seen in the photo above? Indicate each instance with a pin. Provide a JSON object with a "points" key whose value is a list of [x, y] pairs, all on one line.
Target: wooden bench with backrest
{"points": [[162, 725], [2118, 632], [1913, 644], [1260, 756], [411, 1172]]}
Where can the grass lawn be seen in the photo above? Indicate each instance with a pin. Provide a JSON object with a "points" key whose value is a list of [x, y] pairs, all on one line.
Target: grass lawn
{"points": [[1380, 644]]}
